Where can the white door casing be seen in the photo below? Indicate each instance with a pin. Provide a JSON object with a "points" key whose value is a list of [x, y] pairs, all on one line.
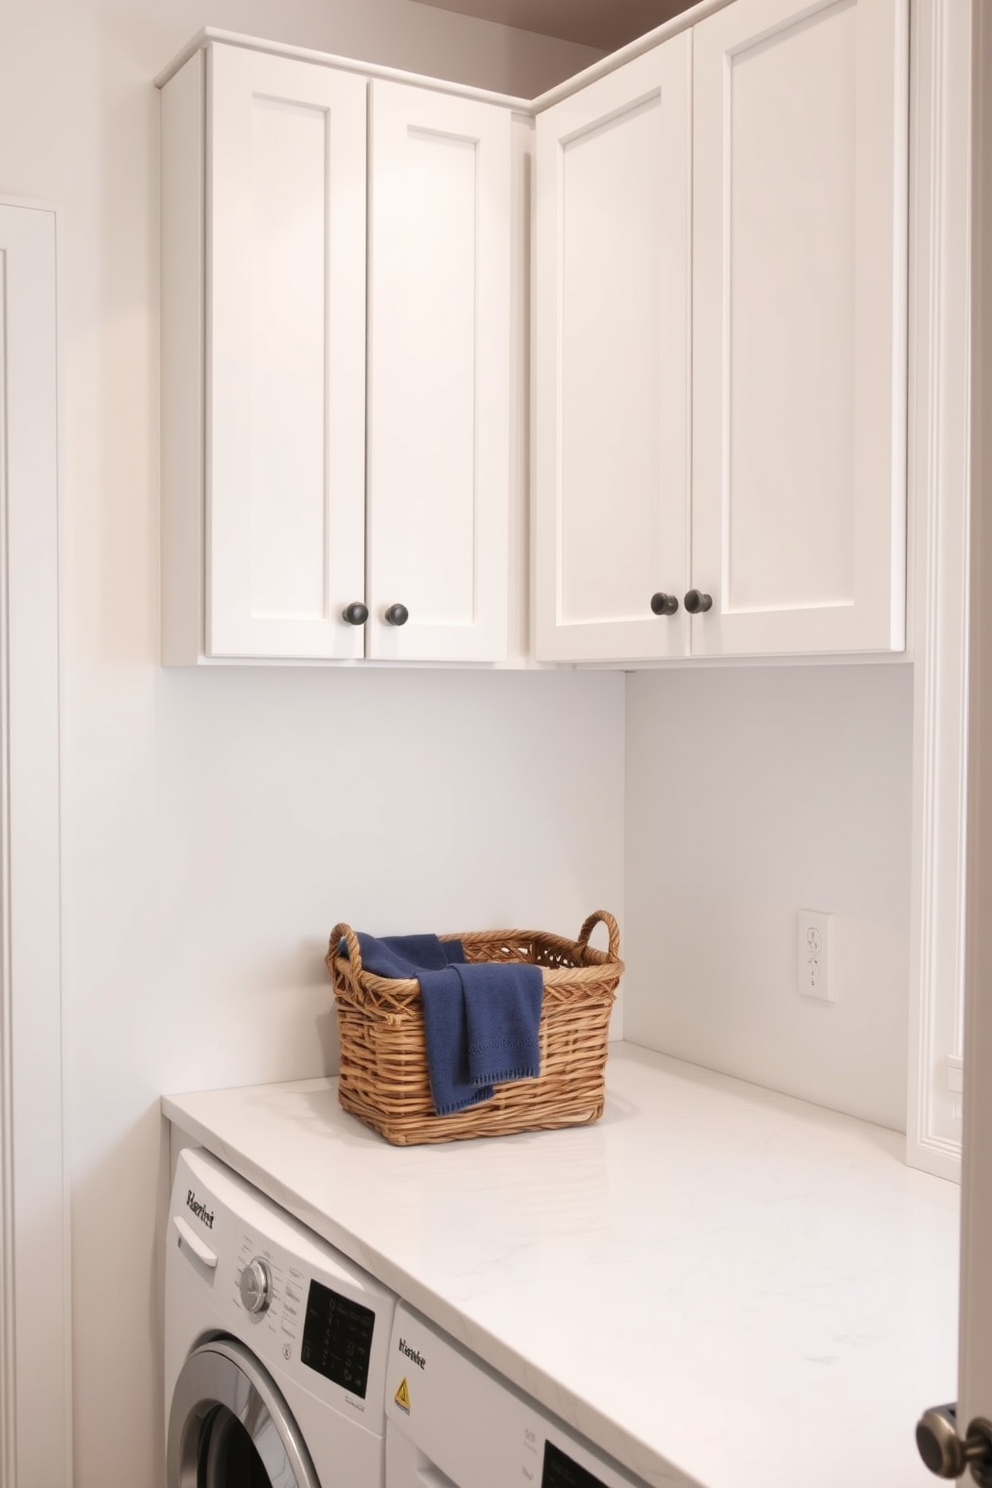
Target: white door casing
{"points": [[938, 493], [35, 1359], [975, 1378]]}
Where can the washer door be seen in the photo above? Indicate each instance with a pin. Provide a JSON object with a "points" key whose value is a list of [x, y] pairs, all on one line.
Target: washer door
{"points": [[230, 1428]]}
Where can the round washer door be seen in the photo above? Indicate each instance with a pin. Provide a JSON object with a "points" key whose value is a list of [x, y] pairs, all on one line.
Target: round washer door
{"points": [[229, 1427]]}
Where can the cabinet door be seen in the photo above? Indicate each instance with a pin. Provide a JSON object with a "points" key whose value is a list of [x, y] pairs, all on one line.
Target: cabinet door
{"points": [[613, 362], [285, 317], [799, 326], [439, 375]]}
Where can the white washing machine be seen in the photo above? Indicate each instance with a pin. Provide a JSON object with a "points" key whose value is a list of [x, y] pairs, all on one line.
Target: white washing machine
{"points": [[452, 1422], [275, 1345]]}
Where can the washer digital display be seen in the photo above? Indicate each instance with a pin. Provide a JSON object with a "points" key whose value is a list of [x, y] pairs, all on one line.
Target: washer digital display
{"points": [[337, 1338], [561, 1472]]}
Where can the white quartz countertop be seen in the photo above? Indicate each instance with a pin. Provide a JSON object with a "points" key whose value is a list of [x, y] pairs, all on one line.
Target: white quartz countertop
{"points": [[715, 1284]]}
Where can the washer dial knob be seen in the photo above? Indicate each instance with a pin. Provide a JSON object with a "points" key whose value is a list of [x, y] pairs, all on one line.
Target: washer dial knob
{"points": [[255, 1286]]}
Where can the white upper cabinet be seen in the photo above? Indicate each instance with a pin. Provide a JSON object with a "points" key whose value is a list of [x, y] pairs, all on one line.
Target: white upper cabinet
{"points": [[300, 479], [613, 361], [800, 158], [719, 319], [788, 534], [285, 346], [439, 375]]}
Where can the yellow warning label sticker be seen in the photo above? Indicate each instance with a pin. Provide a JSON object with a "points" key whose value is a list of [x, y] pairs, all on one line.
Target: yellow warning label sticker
{"points": [[402, 1396]]}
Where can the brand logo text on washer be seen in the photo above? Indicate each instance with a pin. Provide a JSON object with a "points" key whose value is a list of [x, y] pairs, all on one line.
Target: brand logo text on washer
{"points": [[412, 1354], [203, 1214]]}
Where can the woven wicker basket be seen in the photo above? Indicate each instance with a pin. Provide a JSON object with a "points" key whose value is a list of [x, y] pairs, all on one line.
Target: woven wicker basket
{"points": [[384, 1079]]}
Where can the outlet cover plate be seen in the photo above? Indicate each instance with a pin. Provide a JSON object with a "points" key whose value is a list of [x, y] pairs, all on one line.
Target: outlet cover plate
{"points": [[815, 969]]}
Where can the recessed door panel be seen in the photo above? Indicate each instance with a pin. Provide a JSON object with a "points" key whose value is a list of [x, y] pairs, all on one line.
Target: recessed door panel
{"points": [[612, 230], [791, 306], [288, 310]]}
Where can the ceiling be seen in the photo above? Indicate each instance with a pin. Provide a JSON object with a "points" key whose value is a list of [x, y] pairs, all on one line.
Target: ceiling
{"points": [[605, 24]]}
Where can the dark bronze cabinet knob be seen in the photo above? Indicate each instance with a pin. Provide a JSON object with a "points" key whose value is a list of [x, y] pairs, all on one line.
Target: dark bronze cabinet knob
{"points": [[355, 613], [663, 604], [397, 614], [697, 603]]}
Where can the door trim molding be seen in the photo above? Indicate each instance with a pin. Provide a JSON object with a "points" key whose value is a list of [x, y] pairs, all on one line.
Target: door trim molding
{"points": [[35, 1355], [939, 463], [975, 1343]]}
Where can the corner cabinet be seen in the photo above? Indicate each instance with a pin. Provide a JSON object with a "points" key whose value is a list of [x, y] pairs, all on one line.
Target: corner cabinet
{"points": [[336, 379], [721, 342]]}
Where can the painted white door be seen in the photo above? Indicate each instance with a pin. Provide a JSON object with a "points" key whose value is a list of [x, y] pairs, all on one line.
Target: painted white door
{"points": [[439, 376], [612, 362], [975, 1381], [35, 1362], [799, 326], [285, 317]]}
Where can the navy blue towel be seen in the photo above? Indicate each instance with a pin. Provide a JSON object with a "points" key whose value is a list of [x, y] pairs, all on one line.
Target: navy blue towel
{"points": [[480, 1018], [447, 1047], [403, 957], [502, 1012], [481, 1023]]}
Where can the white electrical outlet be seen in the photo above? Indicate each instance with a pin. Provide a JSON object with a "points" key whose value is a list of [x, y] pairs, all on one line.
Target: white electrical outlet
{"points": [[815, 955]]}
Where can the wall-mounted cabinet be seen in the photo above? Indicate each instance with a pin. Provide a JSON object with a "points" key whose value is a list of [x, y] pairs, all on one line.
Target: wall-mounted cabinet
{"points": [[336, 380], [720, 350], [721, 342]]}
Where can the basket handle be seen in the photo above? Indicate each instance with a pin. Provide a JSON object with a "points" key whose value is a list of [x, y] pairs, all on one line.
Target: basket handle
{"points": [[588, 926], [345, 933]]}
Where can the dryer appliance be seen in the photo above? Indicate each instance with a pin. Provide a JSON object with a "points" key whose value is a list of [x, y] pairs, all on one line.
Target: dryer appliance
{"points": [[275, 1345], [454, 1422]]}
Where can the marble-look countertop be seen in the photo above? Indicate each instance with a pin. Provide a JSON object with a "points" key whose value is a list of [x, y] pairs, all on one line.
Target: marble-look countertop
{"points": [[715, 1284]]}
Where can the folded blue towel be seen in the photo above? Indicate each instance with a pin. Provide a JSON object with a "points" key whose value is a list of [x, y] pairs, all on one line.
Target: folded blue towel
{"points": [[447, 1047], [405, 956], [502, 1013], [481, 1028], [480, 1018]]}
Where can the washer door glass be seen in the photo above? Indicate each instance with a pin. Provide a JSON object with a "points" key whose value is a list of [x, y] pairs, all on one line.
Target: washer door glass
{"points": [[230, 1428]]}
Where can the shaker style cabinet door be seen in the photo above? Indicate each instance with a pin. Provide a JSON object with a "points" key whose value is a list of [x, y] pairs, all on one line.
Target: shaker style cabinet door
{"points": [[439, 376], [612, 363], [799, 327], [285, 367]]}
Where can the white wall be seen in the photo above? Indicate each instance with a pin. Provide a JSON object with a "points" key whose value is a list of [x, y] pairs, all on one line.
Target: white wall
{"points": [[751, 794], [217, 824]]}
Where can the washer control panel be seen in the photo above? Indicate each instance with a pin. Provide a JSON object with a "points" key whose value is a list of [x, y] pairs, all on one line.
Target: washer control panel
{"points": [[301, 1306]]}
